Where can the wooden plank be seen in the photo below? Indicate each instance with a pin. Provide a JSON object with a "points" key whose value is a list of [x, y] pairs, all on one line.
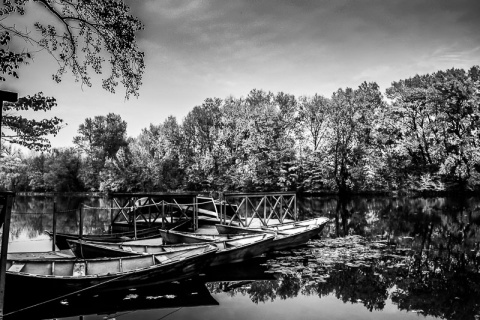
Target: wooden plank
{"points": [[16, 267]]}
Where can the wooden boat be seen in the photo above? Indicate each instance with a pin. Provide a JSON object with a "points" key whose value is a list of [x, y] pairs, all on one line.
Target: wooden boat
{"points": [[226, 229], [295, 236], [232, 229], [309, 222], [287, 236], [56, 277], [61, 238], [63, 254], [229, 251], [174, 236]]}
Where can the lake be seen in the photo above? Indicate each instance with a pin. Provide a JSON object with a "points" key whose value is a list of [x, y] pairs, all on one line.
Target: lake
{"points": [[379, 257]]}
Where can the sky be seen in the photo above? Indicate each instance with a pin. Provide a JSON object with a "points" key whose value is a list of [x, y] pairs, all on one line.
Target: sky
{"points": [[196, 50]]}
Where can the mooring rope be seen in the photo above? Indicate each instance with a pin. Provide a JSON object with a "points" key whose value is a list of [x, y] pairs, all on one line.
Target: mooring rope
{"points": [[94, 286], [65, 295], [170, 313]]}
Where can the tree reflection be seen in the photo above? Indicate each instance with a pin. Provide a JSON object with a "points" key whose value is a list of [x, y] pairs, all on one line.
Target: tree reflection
{"points": [[442, 283]]}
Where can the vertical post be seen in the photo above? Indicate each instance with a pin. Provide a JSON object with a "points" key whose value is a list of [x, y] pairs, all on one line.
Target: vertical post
{"points": [[5, 216], [80, 227], [195, 201], [150, 211], [163, 214], [281, 205], [295, 213], [220, 198], [111, 213], [246, 210], [54, 225], [134, 220], [265, 210]]}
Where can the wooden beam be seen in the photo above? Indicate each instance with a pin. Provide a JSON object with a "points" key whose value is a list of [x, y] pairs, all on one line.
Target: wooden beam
{"points": [[6, 214]]}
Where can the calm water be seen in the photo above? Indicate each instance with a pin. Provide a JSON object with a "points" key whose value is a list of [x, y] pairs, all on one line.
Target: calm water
{"points": [[380, 257]]}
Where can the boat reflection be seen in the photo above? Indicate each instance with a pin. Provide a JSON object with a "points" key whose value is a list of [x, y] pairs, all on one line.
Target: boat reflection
{"points": [[111, 301]]}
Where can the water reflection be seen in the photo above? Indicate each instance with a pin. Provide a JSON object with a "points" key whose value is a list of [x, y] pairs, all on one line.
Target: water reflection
{"points": [[359, 271], [115, 303], [419, 254]]}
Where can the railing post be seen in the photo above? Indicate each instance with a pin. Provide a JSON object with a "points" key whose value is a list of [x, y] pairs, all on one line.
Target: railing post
{"points": [[54, 226], [163, 214], [295, 213], [265, 210], [134, 220], [111, 211], [80, 227], [246, 210], [281, 206], [220, 198], [195, 214], [6, 214]]}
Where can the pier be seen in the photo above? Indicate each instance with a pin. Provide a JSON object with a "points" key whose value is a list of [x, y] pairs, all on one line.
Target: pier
{"points": [[257, 209], [130, 210]]}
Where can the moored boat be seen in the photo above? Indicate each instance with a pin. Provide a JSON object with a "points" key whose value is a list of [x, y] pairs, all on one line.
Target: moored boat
{"points": [[174, 236], [309, 222], [295, 236], [232, 229], [61, 238], [229, 251], [57, 277], [287, 235]]}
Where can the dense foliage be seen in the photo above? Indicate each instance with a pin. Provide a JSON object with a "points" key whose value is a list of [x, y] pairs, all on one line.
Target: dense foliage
{"points": [[424, 137], [83, 37]]}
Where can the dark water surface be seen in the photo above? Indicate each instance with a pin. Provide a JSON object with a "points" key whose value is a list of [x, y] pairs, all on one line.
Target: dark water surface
{"points": [[379, 258]]}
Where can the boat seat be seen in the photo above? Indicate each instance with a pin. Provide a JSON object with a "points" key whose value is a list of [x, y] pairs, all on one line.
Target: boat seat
{"points": [[221, 245], [16, 267], [161, 258]]}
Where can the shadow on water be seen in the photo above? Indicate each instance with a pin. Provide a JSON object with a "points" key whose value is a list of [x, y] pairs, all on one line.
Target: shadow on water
{"points": [[111, 301], [420, 255]]}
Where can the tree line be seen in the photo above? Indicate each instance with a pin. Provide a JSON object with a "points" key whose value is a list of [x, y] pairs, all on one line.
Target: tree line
{"points": [[422, 134]]}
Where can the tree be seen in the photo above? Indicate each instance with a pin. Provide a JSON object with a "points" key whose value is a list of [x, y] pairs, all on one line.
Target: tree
{"points": [[99, 139], [200, 156], [81, 36], [350, 141], [64, 167], [78, 35], [257, 141], [11, 169], [30, 133], [313, 113], [436, 119]]}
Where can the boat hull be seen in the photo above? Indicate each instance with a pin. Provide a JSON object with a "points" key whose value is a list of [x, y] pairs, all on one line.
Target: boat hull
{"points": [[61, 238], [243, 253], [230, 251], [175, 237], [287, 237], [137, 273], [224, 229], [288, 241]]}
